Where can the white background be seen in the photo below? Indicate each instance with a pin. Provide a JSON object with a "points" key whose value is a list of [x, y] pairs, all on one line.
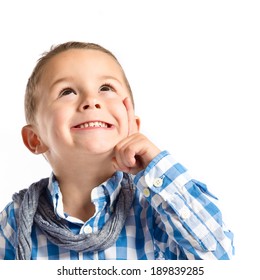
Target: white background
{"points": [[194, 69]]}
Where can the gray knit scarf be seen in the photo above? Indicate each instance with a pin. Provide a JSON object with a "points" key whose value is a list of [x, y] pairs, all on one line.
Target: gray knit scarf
{"points": [[36, 207]]}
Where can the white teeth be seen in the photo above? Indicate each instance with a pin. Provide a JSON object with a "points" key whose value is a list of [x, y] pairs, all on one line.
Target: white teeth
{"points": [[93, 124]]}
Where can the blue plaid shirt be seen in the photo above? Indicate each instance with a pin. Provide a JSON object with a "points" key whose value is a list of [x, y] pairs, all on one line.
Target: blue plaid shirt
{"points": [[172, 217]]}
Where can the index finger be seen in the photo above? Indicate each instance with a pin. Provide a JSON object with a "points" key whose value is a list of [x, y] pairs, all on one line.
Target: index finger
{"points": [[132, 125]]}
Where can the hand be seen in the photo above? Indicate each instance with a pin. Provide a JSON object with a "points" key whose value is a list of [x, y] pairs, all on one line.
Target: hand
{"points": [[135, 152]]}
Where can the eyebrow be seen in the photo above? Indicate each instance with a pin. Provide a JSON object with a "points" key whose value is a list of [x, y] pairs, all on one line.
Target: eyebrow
{"points": [[65, 79], [59, 81], [107, 77]]}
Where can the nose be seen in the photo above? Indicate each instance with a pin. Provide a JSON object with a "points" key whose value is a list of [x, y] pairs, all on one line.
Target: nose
{"points": [[90, 103], [88, 106]]}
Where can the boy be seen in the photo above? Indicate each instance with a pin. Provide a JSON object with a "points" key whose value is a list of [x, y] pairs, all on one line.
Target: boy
{"points": [[112, 193]]}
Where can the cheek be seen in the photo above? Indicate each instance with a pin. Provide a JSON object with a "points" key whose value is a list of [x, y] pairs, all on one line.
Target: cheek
{"points": [[118, 110], [60, 115], [53, 123]]}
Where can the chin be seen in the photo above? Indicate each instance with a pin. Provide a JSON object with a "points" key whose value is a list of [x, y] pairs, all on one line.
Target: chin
{"points": [[98, 150]]}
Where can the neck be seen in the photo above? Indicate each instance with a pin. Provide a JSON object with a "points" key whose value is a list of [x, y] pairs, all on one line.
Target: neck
{"points": [[77, 179]]}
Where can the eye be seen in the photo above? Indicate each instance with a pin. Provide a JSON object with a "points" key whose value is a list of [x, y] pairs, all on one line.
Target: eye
{"points": [[106, 87], [67, 91]]}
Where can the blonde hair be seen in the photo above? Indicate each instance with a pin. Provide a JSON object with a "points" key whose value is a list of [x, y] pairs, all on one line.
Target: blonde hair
{"points": [[30, 101]]}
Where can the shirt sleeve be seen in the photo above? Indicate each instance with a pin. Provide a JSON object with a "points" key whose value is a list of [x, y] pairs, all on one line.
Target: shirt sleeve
{"points": [[185, 211], [8, 232]]}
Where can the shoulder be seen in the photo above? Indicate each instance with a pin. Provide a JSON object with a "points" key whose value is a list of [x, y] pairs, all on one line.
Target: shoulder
{"points": [[8, 221], [8, 213]]}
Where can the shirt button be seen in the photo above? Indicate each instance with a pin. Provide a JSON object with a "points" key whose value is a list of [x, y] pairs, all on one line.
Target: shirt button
{"points": [[185, 214], [87, 229], [158, 182], [146, 192]]}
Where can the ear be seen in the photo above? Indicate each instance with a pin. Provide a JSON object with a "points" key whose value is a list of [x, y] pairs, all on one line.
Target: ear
{"points": [[138, 123], [32, 141]]}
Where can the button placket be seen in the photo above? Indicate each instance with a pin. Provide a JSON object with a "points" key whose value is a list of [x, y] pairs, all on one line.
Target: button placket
{"points": [[146, 192], [88, 229]]}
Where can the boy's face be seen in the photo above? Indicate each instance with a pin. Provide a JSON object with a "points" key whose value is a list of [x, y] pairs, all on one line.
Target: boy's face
{"points": [[81, 110]]}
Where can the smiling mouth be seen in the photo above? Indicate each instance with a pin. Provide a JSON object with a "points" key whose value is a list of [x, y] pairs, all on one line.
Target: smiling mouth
{"points": [[93, 124]]}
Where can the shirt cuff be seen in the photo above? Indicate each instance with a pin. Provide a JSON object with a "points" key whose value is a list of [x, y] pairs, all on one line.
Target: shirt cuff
{"points": [[162, 166], [170, 190]]}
